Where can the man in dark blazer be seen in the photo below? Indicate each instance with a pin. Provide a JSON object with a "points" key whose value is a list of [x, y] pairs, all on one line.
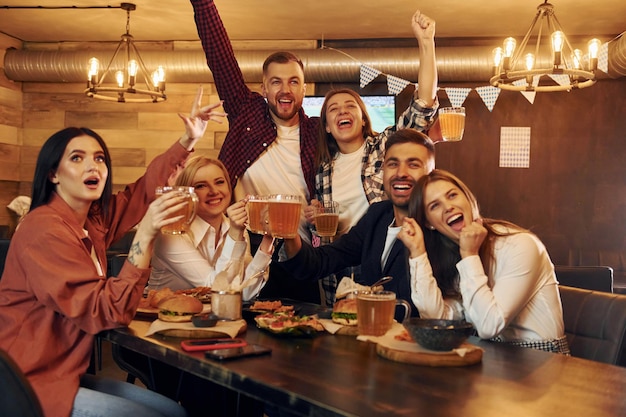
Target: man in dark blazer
{"points": [[372, 242]]}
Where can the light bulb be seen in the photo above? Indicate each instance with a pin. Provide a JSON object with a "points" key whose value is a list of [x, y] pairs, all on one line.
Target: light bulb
{"points": [[132, 67], [509, 48], [529, 60], [119, 77], [577, 58], [94, 67], [558, 38], [497, 54], [594, 48]]}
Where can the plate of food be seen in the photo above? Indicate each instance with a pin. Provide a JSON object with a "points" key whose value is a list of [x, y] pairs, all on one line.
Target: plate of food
{"points": [[149, 306], [287, 323]]}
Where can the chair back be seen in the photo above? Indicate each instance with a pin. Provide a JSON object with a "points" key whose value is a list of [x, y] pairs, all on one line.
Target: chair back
{"points": [[18, 398], [595, 278], [595, 324]]}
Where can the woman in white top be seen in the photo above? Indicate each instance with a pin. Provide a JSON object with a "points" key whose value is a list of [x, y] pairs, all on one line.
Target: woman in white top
{"points": [[493, 273], [213, 241]]}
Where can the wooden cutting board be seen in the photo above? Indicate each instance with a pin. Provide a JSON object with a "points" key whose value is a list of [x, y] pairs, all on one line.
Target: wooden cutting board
{"points": [[413, 354]]}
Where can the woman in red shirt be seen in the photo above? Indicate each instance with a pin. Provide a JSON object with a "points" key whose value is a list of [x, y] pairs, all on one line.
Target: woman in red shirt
{"points": [[55, 295]]}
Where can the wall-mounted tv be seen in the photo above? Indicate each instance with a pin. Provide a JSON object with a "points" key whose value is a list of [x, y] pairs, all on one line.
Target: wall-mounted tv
{"points": [[382, 109]]}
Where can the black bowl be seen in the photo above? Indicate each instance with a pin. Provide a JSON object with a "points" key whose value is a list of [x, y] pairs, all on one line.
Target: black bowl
{"points": [[204, 320], [438, 334]]}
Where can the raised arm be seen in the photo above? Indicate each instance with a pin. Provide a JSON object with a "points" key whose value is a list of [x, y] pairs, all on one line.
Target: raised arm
{"points": [[227, 75], [424, 30], [198, 120]]}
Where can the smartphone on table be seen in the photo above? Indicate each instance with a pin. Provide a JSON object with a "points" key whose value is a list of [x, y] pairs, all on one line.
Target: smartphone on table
{"points": [[195, 345], [237, 352]]}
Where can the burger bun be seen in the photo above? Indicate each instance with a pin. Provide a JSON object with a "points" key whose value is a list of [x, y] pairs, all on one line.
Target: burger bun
{"points": [[344, 312], [179, 308]]}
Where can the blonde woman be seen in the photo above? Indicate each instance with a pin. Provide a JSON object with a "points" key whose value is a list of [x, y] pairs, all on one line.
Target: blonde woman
{"points": [[216, 237]]}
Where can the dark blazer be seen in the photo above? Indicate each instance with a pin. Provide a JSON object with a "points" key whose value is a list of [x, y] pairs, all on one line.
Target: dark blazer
{"points": [[362, 245]]}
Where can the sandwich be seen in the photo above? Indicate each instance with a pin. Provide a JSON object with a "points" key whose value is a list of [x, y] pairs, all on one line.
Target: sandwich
{"points": [[344, 312], [179, 308], [156, 297]]}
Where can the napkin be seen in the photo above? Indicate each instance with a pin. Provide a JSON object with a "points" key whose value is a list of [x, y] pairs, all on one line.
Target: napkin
{"points": [[228, 328], [330, 326], [347, 286]]}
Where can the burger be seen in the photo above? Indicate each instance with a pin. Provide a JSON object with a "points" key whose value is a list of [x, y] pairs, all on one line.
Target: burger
{"points": [[156, 297], [344, 312], [179, 308]]}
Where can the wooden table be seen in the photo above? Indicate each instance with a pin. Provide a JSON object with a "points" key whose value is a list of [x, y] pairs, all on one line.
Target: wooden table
{"points": [[340, 376]]}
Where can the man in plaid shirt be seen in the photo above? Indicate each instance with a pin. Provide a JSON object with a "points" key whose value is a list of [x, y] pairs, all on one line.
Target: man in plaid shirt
{"points": [[270, 145]]}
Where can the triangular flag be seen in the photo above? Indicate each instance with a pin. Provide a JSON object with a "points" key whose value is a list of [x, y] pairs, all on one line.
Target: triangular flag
{"points": [[603, 58], [368, 74], [489, 94], [457, 95], [395, 85], [561, 79], [530, 96], [520, 83]]}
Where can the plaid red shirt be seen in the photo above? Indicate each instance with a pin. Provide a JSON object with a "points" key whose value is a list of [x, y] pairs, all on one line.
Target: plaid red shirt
{"points": [[252, 130]]}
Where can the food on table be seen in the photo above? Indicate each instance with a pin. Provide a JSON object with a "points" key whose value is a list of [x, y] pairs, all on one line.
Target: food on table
{"points": [[344, 312], [155, 297], [201, 293], [404, 336], [179, 308], [270, 306], [287, 322]]}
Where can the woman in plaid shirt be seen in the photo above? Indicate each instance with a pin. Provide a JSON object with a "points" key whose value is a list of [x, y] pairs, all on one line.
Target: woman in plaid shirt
{"points": [[350, 154]]}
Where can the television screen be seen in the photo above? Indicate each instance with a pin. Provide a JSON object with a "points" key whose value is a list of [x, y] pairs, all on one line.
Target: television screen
{"points": [[382, 109]]}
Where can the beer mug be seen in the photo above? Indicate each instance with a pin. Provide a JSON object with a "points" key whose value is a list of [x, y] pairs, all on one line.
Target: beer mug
{"points": [[375, 311], [284, 215], [257, 214], [188, 212], [327, 218], [452, 123]]}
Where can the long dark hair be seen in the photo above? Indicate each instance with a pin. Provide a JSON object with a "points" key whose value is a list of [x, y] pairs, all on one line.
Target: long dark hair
{"points": [[48, 162], [327, 146], [444, 253]]}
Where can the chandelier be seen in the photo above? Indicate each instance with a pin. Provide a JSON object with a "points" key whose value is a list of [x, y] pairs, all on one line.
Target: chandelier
{"points": [[125, 90], [516, 70]]}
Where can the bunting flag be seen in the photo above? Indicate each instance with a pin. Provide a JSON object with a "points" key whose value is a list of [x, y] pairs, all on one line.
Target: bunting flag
{"points": [[603, 58], [368, 74], [489, 94], [561, 79], [457, 95], [395, 85], [529, 95]]}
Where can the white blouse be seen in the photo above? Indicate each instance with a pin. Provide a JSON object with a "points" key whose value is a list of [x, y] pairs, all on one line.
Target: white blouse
{"points": [[193, 259], [518, 300]]}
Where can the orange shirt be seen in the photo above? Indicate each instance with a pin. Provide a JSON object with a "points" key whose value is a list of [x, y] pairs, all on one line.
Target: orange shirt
{"points": [[52, 300]]}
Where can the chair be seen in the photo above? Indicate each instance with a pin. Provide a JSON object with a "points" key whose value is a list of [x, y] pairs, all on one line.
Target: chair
{"points": [[595, 278], [595, 324], [19, 399]]}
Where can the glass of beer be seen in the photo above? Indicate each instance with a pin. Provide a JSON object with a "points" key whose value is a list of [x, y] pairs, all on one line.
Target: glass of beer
{"points": [[284, 213], [188, 212], [375, 311], [257, 214], [452, 123], [327, 218]]}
